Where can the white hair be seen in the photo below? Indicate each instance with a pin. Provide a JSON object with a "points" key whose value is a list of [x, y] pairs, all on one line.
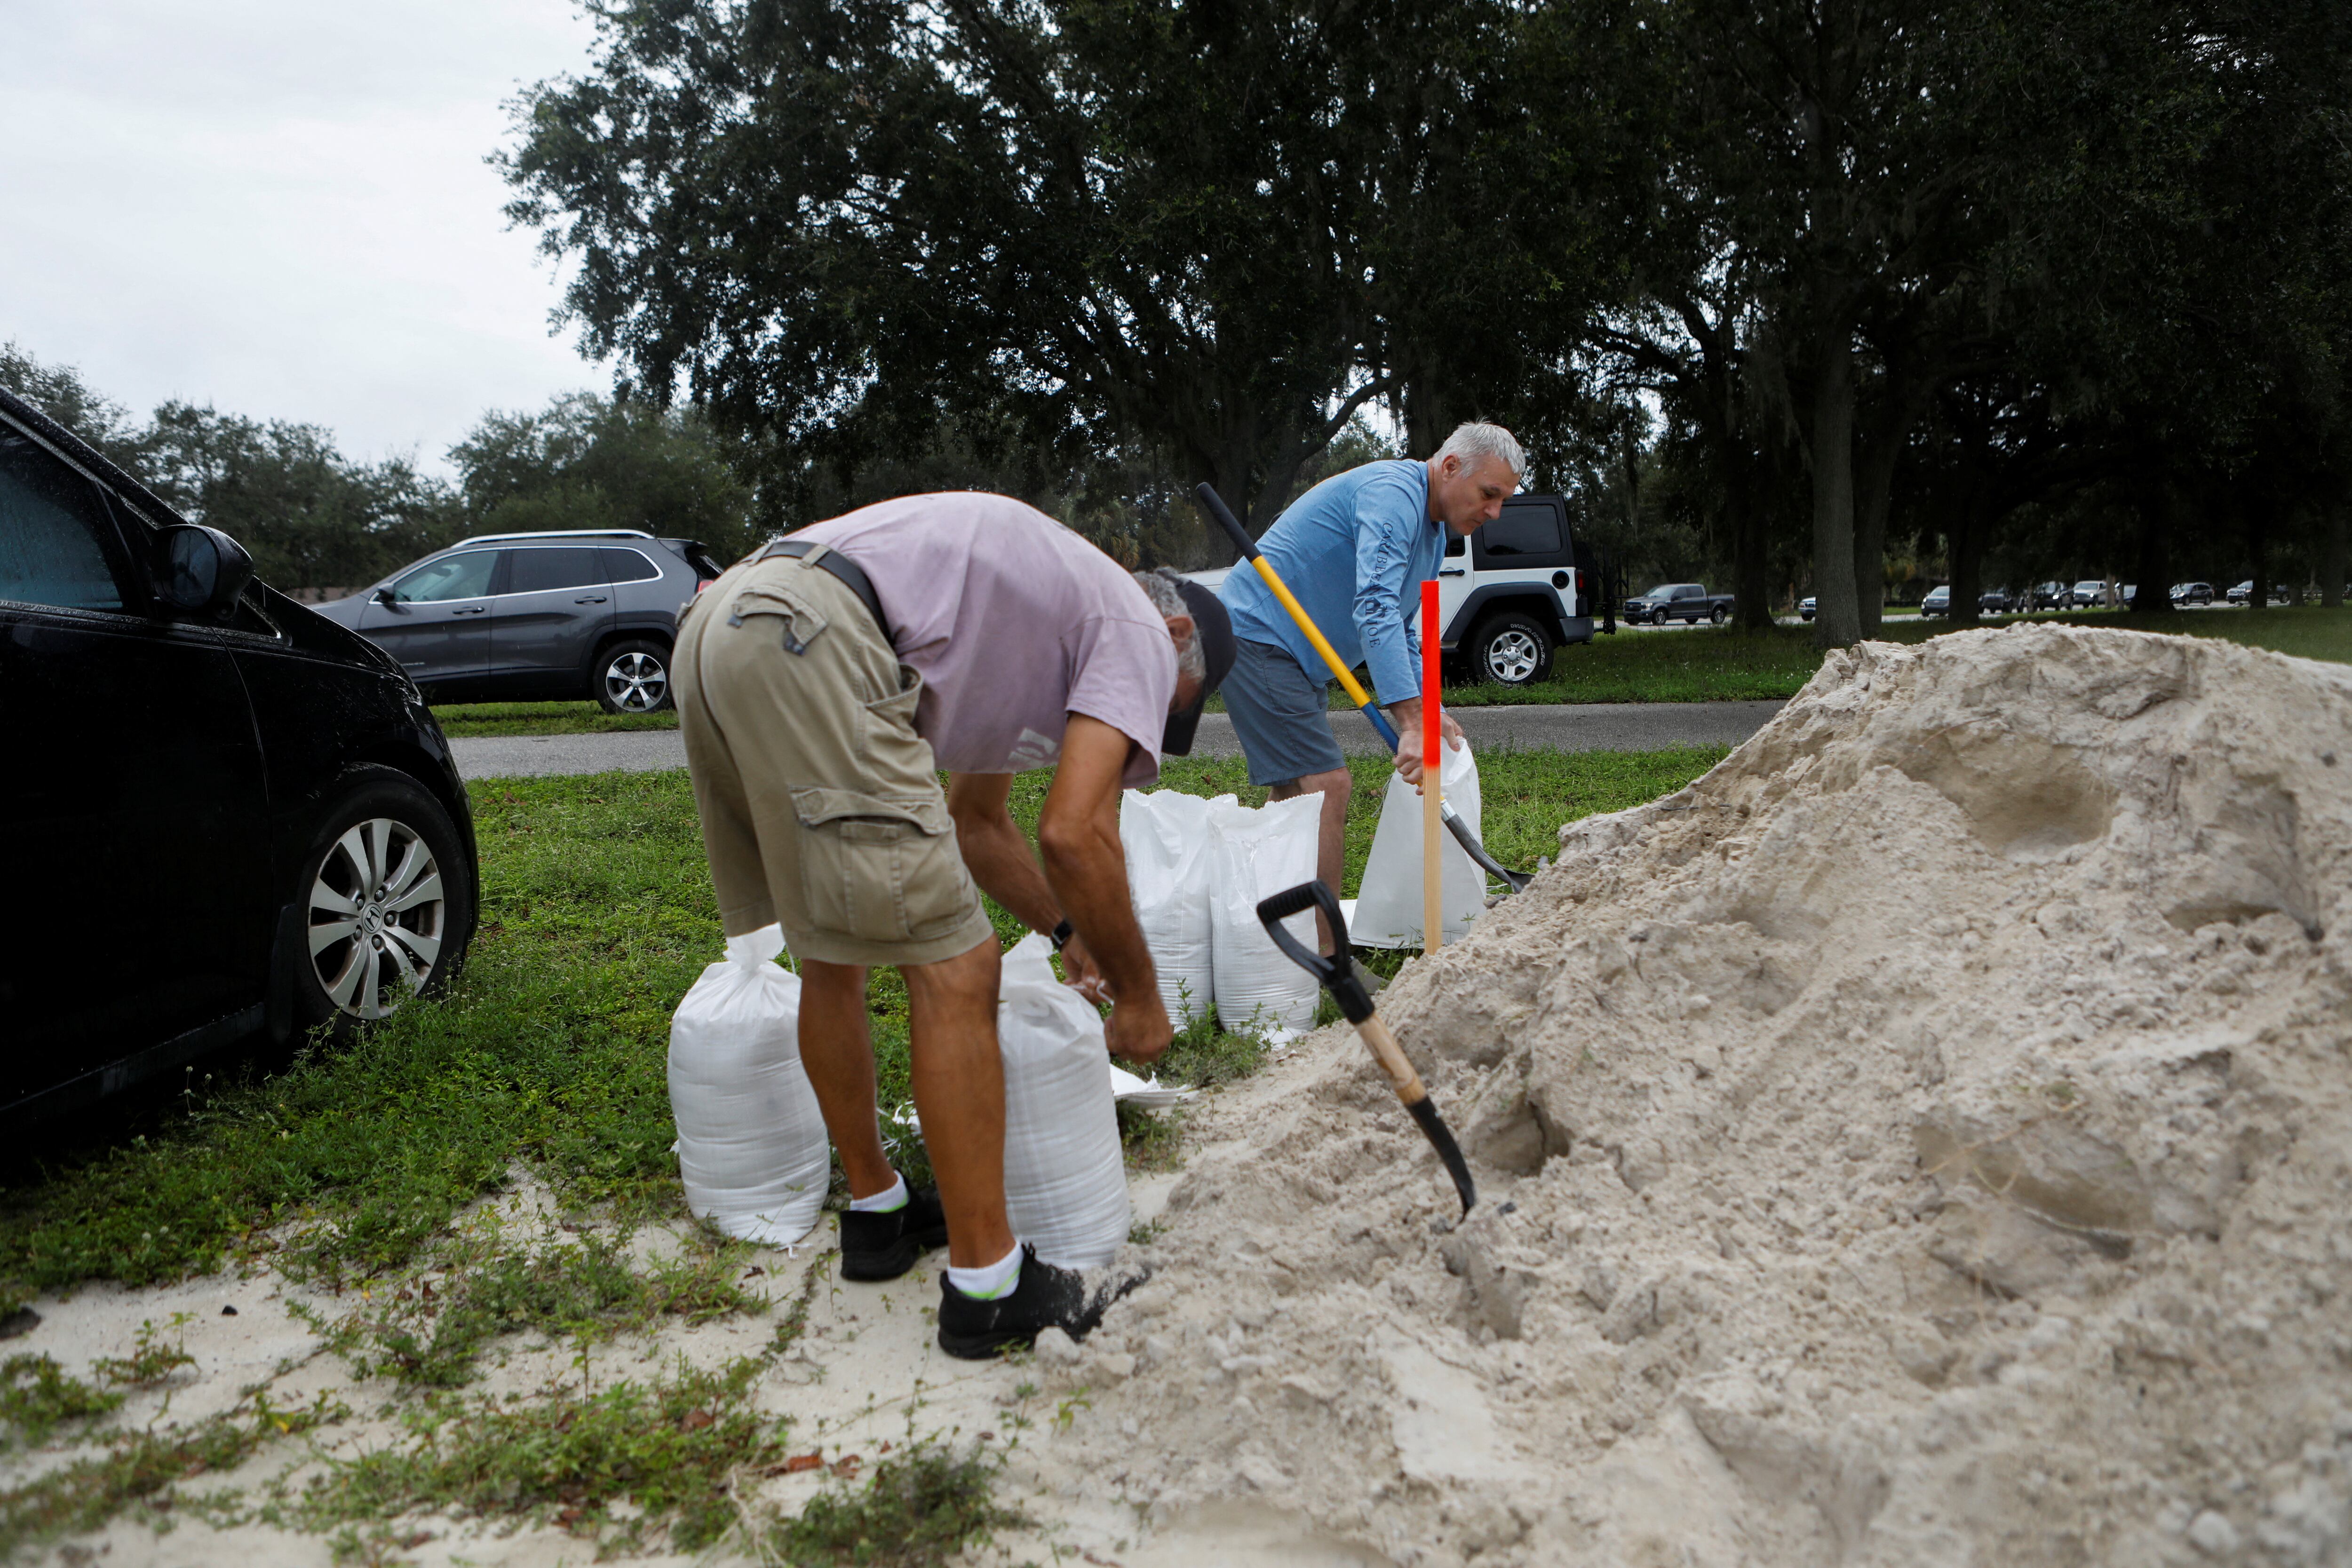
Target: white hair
{"points": [[1477, 441], [1158, 585]]}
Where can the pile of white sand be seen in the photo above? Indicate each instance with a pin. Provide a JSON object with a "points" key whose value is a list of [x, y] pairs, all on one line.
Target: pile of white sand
{"points": [[1928, 1139]]}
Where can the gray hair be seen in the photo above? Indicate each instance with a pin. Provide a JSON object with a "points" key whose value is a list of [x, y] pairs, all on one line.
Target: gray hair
{"points": [[1477, 441], [1158, 585]]}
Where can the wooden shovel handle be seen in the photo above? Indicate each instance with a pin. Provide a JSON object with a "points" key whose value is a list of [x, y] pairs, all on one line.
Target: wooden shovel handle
{"points": [[1393, 1059]]}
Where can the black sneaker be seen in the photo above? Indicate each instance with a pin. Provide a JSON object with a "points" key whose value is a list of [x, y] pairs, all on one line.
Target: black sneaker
{"points": [[1045, 1297], [884, 1246]]}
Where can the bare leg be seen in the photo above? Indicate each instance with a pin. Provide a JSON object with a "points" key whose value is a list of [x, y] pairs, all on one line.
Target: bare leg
{"points": [[960, 1092], [1331, 840], [838, 1056]]}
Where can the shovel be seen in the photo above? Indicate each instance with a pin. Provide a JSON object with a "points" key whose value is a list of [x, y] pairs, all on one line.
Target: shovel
{"points": [[1338, 976]]}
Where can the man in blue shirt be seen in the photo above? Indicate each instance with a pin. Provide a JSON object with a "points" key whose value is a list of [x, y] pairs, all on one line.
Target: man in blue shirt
{"points": [[1355, 550]]}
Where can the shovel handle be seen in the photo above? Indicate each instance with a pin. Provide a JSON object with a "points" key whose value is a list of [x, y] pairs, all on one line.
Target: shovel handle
{"points": [[1337, 973]]}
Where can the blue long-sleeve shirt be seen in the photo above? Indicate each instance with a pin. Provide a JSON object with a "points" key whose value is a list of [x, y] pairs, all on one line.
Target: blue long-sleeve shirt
{"points": [[1354, 549]]}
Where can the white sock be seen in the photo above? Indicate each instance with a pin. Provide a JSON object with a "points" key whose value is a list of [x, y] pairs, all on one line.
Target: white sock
{"points": [[987, 1284], [892, 1199]]}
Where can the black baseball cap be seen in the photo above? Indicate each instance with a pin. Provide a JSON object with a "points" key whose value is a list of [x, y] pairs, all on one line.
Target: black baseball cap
{"points": [[1215, 629]]}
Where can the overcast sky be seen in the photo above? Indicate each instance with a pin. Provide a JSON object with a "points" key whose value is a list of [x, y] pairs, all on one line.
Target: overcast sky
{"points": [[281, 209]]}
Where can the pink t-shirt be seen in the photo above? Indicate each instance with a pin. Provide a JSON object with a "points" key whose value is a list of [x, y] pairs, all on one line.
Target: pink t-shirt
{"points": [[1015, 622]]}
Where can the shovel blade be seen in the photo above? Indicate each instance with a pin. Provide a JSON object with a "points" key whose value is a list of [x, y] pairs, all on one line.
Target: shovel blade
{"points": [[1433, 1126]]}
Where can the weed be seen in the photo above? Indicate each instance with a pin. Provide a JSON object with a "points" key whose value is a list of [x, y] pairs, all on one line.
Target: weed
{"points": [[151, 1363], [1143, 1234], [670, 1446], [925, 1506], [36, 1397], [585, 1292], [1067, 1410], [140, 1468], [1154, 1140]]}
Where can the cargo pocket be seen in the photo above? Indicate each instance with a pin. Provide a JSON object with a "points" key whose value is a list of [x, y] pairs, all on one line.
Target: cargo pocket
{"points": [[770, 604], [881, 870]]}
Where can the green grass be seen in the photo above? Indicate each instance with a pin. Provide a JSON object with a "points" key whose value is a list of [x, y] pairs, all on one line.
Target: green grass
{"points": [[462, 720]]}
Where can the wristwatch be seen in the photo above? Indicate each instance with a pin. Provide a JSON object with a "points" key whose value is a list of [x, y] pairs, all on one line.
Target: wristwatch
{"points": [[1060, 935]]}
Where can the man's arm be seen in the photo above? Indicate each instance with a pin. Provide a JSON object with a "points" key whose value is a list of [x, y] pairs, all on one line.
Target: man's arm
{"points": [[995, 852], [1389, 521], [1077, 834]]}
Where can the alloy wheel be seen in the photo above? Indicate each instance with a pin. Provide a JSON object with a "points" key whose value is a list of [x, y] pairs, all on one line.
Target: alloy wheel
{"points": [[1512, 656], [636, 681], [377, 909]]}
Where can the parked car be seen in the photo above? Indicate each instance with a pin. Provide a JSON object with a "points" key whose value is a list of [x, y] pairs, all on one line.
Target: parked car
{"points": [[1994, 602], [523, 616], [2090, 592], [1805, 608], [1686, 602], [1938, 602], [1516, 590], [2050, 596], [2243, 591], [230, 817], [2192, 593]]}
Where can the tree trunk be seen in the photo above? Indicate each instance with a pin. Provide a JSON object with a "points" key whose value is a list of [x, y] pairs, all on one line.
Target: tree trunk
{"points": [[1875, 491], [1837, 617], [2155, 569], [2332, 563], [1752, 594], [1964, 542], [2258, 545]]}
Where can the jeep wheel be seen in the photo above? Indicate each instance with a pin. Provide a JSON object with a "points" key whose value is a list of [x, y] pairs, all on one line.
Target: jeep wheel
{"points": [[1512, 650], [631, 677]]}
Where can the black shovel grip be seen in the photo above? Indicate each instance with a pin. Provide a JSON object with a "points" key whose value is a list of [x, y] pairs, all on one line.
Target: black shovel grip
{"points": [[1230, 524], [1336, 975]]}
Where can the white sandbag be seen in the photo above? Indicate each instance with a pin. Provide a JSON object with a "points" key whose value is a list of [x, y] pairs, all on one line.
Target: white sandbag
{"points": [[751, 1140], [1064, 1175], [1255, 854], [1388, 901], [1166, 838]]}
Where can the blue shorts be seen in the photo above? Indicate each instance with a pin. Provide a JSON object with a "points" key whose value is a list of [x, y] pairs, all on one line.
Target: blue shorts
{"points": [[1282, 718]]}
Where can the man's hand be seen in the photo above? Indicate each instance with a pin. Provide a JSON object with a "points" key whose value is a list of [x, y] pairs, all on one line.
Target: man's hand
{"points": [[1139, 1029], [1406, 716], [1081, 974]]}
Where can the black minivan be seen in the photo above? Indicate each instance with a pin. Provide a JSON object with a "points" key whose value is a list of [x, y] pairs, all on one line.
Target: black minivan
{"points": [[225, 817]]}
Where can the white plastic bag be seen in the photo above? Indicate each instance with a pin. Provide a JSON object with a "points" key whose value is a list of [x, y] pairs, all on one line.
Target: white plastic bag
{"points": [[1255, 854], [751, 1140], [1166, 838], [1388, 911], [1065, 1176]]}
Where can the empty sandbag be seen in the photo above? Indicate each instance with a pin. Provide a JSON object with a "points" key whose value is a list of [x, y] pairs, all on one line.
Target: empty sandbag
{"points": [[1166, 839], [750, 1139], [1064, 1174], [1255, 854]]}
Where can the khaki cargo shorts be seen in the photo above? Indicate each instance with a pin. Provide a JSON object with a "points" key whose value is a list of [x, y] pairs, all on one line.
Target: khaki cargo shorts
{"points": [[821, 806]]}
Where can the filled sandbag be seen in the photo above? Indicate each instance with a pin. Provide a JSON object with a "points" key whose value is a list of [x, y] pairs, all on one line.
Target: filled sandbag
{"points": [[1064, 1174], [1166, 838], [1387, 912], [1255, 854], [751, 1140]]}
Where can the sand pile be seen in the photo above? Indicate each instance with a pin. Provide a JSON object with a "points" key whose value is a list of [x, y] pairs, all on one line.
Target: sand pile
{"points": [[1928, 1139]]}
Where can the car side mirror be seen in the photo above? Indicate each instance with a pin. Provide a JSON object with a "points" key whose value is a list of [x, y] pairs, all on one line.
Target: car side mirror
{"points": [[384, 595], [201, 571]]}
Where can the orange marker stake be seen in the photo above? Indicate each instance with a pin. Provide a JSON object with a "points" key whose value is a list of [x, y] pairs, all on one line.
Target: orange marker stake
{"points": [[1433, 799]]}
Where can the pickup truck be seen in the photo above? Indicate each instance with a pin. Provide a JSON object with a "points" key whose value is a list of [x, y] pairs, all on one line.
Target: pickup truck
{"points": [[1678, 602]]}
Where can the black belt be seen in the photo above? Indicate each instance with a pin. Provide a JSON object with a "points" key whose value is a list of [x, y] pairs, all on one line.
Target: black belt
{"points": [[843, 568]]}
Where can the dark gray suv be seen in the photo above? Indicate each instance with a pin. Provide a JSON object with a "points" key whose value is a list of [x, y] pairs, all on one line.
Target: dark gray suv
{"points": [[536, 616]]}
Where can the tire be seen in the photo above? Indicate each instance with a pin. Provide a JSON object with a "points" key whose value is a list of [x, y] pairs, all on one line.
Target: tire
{"points": [[384, 905], [1511, 650], [631, 677], [1720, 615]]}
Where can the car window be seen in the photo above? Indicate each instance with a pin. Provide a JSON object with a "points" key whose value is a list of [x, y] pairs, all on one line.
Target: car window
{"points": [[535, 571], [1456, 544], [53, 528], [627, 565], [1522, 530], [466, 575]]}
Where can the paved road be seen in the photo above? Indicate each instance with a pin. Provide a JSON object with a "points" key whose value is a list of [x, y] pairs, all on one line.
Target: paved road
{"points": [[1580, 727]]}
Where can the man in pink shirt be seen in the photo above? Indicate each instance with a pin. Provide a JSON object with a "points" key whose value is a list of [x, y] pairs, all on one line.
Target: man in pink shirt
{"points": [[821, 686]]}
